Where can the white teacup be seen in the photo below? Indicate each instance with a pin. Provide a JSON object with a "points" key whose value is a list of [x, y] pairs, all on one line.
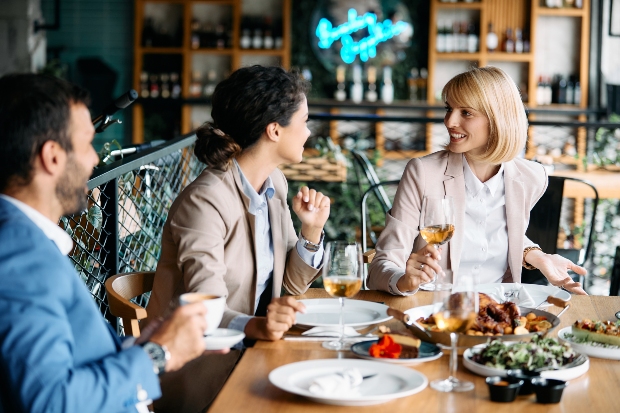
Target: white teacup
{"points": [[213, 303]]}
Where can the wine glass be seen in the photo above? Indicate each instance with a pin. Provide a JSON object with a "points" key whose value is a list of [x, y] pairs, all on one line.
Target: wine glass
{"points": [[342, 277], [454, 313], [436, 225]]}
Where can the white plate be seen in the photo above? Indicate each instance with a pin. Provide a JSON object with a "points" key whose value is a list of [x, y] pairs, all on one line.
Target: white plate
{"points": [[322, 312], [563, 374], [428, 352], [223, 338], [590, 350], [539, 293], [391, 382]]}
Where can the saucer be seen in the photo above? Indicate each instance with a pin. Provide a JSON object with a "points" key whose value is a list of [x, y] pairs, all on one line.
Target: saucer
{"points": [[222, 338]]}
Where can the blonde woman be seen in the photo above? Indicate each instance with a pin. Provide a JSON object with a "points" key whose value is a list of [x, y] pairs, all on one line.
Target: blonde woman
{"points": [[493, 193]]}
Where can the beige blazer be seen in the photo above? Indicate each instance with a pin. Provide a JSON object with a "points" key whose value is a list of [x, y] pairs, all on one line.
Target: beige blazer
{"points": [[208, 246], [441, 174]]}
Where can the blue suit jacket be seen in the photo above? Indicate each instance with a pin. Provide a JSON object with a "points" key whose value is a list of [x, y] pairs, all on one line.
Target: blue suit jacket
{"points": [[57, 353]]}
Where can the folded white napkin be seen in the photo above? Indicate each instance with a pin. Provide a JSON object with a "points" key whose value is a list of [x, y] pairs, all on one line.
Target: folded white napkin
{"points": [[523, 298], [343, 383], [497, 293]]}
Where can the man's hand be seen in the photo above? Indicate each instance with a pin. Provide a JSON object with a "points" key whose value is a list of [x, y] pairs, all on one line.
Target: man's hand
{"points": [[280, 318], [555, 269], [422, 266], [182, 334]]}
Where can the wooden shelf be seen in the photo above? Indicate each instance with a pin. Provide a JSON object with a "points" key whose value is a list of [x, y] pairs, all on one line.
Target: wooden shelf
{"points": [[509, 57], [458, 56], [262, 52], [161, 50], [190, 8], [544, 11], [460, 5], [213, 51]]}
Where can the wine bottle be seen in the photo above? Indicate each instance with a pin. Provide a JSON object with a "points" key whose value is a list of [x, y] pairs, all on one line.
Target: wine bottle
{"points": [[441, 38], [577, 93], [195, 36], [165, 86], [464, 37], [144, 85], [387, 90], [412, 82], [492, 40], [175, 93], [371, 75], [211, 83], [340, 94], [449, 38], [472, 39], [540, 92], [257, 40], [246, 41], [195, 87], [509, 44], [357, 89], [518, 40], [154, 86]]}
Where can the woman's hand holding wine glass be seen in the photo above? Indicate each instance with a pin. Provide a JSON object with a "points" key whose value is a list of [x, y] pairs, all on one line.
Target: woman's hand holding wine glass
{"points": [[436, 227]]}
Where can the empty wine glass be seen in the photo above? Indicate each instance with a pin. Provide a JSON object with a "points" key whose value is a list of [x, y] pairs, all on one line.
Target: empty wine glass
{"points": [[436, 225], [342, 277], [454, 313]]}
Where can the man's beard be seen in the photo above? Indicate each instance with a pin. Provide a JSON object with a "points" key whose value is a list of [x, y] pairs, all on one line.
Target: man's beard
{"points": [[70, 187]]}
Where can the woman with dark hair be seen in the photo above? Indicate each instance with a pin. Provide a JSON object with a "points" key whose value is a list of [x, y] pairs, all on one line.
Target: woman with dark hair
{"points": [[230, 232]]}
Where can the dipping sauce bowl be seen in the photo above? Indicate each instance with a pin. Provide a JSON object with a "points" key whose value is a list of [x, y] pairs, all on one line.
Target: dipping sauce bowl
{"points": [[526, 376], [548, 390], [503, 389]]}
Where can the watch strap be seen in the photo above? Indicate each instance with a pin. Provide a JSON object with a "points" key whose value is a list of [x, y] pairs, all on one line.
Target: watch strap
{"points": [[309, 245]]}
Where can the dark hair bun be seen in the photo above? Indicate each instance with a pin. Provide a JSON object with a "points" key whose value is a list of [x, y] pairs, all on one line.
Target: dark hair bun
{"points": [[214, 147]]}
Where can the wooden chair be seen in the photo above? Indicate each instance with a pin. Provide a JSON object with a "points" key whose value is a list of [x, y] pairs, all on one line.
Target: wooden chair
{"points": [[121, 288]]}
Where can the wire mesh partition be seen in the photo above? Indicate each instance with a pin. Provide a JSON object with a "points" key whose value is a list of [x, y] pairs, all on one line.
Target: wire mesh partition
{"points": [[128, 204]]}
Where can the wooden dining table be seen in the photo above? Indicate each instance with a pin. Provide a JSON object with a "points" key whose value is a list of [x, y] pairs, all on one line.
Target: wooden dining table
{"points": [[248, 389]]}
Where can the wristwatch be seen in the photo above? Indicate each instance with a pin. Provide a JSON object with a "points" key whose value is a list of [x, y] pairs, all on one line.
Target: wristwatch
{"points": [[309, 245], [159, 356]]}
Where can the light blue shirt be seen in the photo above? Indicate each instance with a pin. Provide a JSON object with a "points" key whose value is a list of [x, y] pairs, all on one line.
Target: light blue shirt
{"points": [[264, 242]]}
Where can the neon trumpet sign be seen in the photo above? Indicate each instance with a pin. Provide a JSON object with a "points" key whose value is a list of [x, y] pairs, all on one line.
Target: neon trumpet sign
{"points": [[366, 48]]}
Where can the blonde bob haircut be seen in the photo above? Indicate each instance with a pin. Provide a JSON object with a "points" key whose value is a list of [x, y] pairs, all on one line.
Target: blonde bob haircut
{"points": [[491, 91]]}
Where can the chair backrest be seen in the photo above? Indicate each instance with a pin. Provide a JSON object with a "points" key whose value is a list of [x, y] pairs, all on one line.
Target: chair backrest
{"points": [[365, 173], [614, 286], [544, 224], [121, 288], [376, 190]]}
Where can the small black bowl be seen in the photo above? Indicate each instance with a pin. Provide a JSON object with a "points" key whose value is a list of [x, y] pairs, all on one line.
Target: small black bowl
{"points": [[503, 389], [526, 376], [548, 390]]}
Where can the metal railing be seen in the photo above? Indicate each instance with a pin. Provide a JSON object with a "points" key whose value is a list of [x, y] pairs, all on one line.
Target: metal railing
{"points": [[128, 204]]}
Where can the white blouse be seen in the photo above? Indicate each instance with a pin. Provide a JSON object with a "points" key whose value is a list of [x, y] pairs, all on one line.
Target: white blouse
{"points": [[486, 231]]}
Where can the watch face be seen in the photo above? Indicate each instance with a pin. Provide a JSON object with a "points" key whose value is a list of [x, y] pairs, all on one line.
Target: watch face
{"points": [[157, 354]]}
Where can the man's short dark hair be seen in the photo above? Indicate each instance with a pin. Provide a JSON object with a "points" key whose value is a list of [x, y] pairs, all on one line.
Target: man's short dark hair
{"points": [[34, 109]]}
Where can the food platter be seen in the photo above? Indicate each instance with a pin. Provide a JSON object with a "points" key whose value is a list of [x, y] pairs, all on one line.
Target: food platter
{"points": [[578, 369], [592, 350], [440, 337]]}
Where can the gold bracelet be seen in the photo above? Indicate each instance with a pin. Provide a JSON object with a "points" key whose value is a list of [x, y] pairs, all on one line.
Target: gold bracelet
{"points": [[525, 264]]}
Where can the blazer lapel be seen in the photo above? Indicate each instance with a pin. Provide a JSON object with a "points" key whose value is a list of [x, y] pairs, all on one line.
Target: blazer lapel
{"points": [[276, 215], [454, 186], [515, 201], [251, 220]]}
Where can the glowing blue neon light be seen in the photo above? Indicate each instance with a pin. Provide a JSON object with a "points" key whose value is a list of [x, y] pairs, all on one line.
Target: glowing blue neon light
{"points": [[366, 47]]}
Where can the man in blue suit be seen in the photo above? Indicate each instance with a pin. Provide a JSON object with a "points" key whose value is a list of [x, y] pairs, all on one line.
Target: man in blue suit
{"points": [[57, 353]]}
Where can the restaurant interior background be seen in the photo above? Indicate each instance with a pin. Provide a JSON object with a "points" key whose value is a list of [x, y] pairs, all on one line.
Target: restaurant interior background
{"points": [[173, 52]]}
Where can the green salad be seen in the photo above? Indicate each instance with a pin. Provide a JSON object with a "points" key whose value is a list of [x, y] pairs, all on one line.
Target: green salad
{"points": [[540, 353]]}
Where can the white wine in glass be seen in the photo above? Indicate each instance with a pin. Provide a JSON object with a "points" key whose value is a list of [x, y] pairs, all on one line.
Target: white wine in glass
{"points": [[342, 277], [454, 313], [436, 224]]}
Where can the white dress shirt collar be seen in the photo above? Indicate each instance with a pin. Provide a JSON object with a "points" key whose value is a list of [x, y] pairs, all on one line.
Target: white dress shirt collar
{"points": [[473, 185], [62, 240]]}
